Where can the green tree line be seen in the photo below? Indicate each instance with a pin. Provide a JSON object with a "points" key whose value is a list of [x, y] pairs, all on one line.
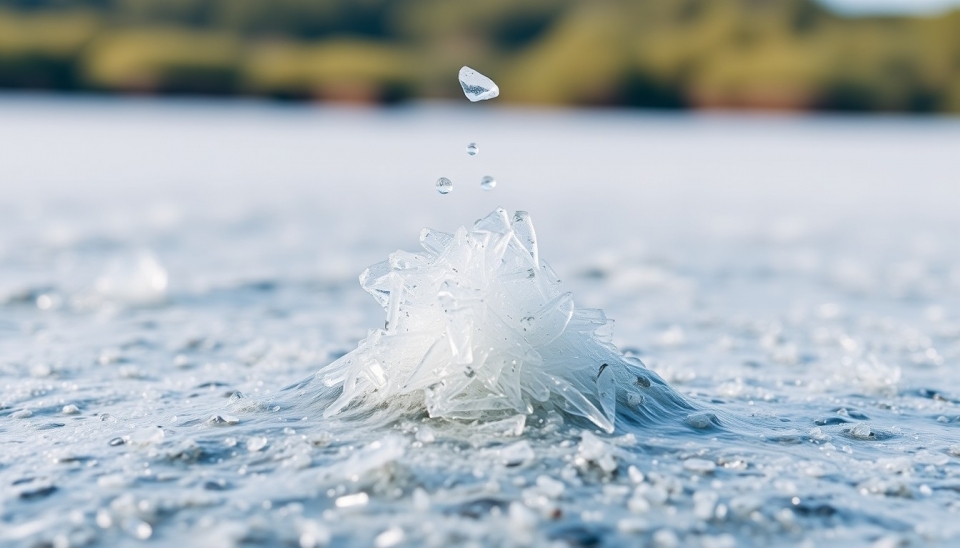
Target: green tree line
{"points": [[789, 54]]}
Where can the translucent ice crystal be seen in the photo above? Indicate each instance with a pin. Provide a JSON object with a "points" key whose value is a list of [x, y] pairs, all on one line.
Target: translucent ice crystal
{"points": [[478, 327], [476, 86]]}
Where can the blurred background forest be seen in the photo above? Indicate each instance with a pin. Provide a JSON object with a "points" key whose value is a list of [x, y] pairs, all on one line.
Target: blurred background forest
{"points": [[765, 54]]}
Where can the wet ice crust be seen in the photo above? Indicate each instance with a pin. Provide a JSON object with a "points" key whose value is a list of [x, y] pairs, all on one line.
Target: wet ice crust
{"points": [[478, 327]]}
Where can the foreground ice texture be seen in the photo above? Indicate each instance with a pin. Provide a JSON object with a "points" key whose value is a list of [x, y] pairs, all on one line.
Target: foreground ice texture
{"points": [[476, 86], [478, 328]]}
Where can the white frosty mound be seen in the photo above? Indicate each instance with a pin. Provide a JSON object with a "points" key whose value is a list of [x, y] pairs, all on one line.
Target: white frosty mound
{"points": [[478, 328]]}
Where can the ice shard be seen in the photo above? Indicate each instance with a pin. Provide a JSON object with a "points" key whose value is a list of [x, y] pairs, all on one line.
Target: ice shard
{"points": [[476, 86]]}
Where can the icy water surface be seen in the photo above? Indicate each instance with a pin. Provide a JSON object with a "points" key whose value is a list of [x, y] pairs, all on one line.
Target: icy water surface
{"points": [[168, 270]]}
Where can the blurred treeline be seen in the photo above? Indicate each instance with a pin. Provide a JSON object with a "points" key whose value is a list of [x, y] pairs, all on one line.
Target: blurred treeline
{"points": [[791, 54]]}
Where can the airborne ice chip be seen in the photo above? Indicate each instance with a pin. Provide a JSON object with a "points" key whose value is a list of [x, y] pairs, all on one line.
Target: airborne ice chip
{"points": [[477, 327], [476, 86]]}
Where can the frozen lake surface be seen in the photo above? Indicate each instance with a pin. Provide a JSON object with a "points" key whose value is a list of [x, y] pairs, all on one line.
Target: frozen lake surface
{"points": [[167, 269]]}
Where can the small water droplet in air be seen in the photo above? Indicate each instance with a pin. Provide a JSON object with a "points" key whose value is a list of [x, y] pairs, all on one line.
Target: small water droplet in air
{"points": [[444, 185], [473, 149], [488, 182]]}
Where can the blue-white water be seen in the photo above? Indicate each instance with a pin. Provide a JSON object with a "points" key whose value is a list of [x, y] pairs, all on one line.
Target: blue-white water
{"points": [[800, 276]]}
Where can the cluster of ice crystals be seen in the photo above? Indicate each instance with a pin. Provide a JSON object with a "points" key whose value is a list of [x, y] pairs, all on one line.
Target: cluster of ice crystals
{"points": [[478, 328]]}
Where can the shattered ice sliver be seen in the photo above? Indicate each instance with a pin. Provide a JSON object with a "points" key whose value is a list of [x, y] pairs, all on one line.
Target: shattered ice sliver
{"points": [[477, 327], [476, 86]]}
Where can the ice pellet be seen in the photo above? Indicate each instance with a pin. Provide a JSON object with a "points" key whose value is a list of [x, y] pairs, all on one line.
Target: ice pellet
{"points": [[473, 149], [488, 183]]}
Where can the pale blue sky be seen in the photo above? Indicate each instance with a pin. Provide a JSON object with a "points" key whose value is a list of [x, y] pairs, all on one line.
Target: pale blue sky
{"points": [[891, 6]]}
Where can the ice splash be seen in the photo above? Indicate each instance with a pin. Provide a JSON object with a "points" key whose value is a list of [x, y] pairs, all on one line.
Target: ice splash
{"points": [[478, 328], [476, 86]]}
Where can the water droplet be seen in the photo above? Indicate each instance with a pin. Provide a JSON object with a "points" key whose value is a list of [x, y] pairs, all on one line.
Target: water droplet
{"points": [[476, 86], [473, 149], [444, 185], [488, 182]]}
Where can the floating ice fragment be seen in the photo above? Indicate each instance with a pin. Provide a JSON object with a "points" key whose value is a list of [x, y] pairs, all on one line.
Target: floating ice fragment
{"points": [[488, 183], [478, 328], [476, 86], [473, 149], [444, 185]]}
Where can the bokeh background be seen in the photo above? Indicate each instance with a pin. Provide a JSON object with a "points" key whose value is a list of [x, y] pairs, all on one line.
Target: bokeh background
{"points": [[839, 55], [189, 190]]}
